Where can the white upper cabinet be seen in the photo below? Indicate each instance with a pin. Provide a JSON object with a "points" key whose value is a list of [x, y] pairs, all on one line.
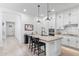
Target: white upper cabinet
{"points": [[74, 19], [52, 21], [66, 17], [60, 20], [74, 11], [66, 13], [74, 15], [70, 16]]}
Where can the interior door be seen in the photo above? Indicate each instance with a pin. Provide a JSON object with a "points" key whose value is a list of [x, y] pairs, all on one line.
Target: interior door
{"points": [[10, 29]]}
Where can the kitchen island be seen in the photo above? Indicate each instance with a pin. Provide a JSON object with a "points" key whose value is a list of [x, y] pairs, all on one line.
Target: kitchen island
{"points": [[53, 44]]}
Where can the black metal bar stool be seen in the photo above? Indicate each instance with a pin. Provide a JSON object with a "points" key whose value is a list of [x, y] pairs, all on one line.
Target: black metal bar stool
{"points": [[31, 43], [37, 47]]}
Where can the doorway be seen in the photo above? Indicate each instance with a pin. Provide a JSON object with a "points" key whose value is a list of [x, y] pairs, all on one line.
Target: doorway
{"points": [[10, 29]]}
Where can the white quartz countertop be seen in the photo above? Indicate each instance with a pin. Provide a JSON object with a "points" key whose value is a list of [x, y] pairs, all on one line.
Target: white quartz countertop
{"points": [[71, 34], [48, 38]]}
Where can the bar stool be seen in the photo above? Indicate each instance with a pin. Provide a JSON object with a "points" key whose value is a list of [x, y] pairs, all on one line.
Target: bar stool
{"points": [[38, 45], [31, 43]]}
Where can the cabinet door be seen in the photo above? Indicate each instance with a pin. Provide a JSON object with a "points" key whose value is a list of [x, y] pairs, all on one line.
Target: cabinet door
{"points": [[74, 11], [74, 19], [66, 17], [73, 42], [63, 40], [77, 43], [66, 41], [59, 20]]}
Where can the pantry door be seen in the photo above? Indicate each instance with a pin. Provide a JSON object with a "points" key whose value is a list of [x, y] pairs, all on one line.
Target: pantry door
{"points": [[10, 29]]}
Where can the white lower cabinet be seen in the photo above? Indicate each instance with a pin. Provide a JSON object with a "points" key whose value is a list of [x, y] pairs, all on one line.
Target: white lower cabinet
{"points": [[71, 41]]}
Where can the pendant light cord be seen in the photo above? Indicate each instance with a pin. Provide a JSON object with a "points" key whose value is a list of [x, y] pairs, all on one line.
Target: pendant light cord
{"points": [[38, 11], [47, 10]]}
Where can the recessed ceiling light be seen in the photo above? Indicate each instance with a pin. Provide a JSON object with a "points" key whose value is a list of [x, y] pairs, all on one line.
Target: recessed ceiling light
{"points": [[25, 10], [53, 10]]}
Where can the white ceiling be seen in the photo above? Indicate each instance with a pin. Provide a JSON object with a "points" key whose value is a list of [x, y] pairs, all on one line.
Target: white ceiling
{"points": [[32, 7]]}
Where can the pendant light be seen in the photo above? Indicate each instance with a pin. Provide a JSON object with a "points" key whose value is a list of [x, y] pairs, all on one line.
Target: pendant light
{"points": [[48, 18], [38, 14]]}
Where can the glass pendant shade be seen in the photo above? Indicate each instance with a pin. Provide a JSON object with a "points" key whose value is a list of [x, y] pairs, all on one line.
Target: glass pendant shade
{"points": [[38, 21], [48, 18]]}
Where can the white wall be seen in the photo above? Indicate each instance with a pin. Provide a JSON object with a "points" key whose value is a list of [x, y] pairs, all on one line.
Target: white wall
{"points": [[25, 19]]}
